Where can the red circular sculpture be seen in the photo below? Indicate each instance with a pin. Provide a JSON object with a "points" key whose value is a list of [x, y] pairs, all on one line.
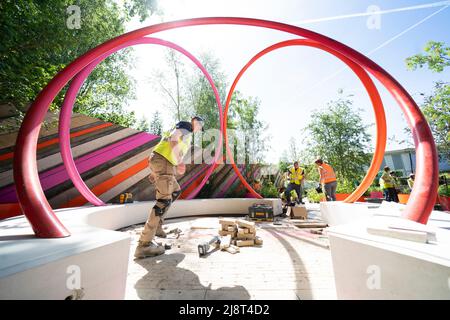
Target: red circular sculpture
{"points": [[45, 223], [370, 88], [69, 99]]}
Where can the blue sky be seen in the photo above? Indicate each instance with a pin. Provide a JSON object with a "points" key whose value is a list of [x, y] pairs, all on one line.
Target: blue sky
{"points": [[293, 82]]}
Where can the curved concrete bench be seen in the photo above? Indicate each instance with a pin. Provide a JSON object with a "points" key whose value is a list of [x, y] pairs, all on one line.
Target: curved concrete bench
{"points": [[95, 258], [338, 213]]}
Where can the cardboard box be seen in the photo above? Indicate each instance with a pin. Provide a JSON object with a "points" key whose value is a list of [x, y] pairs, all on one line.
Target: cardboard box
{"points": [[298, 212]]}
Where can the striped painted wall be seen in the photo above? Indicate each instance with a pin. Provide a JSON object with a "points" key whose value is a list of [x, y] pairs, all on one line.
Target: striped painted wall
{"points": [[111, 160]]}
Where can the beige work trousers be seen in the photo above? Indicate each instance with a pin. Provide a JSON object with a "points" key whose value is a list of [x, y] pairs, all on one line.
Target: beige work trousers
{"points": [[165, 184]]}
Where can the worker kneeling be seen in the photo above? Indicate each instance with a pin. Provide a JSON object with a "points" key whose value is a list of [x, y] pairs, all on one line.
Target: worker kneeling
{"points": [[165, 161]]}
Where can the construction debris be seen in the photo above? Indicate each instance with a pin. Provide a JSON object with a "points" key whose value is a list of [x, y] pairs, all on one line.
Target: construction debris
{"points": [[176, 231], [237, 233], [225, 242], [310, 223], [258, 241], [245, 243], [232, 249]]}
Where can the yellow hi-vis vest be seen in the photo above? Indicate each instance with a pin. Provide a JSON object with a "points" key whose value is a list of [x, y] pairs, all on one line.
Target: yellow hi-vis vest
{"points": [[296, 175], [386, 181], [165, 149]]}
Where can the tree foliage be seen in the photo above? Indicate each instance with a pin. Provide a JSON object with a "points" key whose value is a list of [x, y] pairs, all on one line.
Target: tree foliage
{"points": [[436, 106], [36, 43], [189, 93], [339, 136], [156, 124], [436, 57]]}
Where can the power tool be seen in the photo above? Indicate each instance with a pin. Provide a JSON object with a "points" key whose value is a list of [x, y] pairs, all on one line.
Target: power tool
{"points": [[203, 248]]}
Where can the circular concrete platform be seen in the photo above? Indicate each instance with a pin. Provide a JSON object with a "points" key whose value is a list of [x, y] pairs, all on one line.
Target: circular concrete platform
{"points": [[291, 264]]}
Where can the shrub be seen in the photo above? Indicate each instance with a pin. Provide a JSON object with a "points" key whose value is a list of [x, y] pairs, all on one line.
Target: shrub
{"points": [[345, 186], [268, 190], [313, 196], [444, 191]]}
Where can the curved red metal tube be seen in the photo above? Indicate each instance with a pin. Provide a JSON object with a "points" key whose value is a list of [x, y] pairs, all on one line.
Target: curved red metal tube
{"points": [[370, 88], [69, 99], [41, 216]]}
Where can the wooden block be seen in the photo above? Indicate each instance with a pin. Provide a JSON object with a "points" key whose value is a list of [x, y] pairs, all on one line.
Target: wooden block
{"points": [[235, 247], [245, 236], [201, 227], [245, 224], [241, 231], [245, 243], [231, 228], [309, 224], [225, 233], [225, 242], [258, 241], [246, 230], [232, 249], [227, 221]]}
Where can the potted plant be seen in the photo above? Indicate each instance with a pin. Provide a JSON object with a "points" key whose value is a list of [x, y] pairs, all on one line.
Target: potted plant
{"points": [[374, 193], [403, 195], [444, 197], [344, 189]]}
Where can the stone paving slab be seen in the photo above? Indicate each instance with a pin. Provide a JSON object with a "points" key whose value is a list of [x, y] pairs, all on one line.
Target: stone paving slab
{"points": [[285, 267]]}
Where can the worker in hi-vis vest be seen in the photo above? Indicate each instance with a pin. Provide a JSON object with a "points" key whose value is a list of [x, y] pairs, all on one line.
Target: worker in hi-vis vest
{"points": [[165, 161], [295, 175], [387, 185], [327, 179]]}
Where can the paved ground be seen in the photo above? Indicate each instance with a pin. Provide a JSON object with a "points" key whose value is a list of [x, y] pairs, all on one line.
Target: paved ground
{"points": [[291, 264]]}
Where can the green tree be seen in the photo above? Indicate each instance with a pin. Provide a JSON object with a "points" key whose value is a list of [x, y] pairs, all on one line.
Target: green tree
{"points": [[200, 98], [156, 124], [293, 151], [339, 137], [172, 83], [436, 57], [244, 112], [143, 125], [36, 43], [436, 106]]}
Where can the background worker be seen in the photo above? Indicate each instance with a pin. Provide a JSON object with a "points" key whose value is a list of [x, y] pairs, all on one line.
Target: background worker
{"points": [[387, 184], [327, 179], [295, 175], [165, 161], [411, 181], [396, 186]]}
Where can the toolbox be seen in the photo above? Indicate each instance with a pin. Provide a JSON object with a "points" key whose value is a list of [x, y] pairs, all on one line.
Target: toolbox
{"points": [[260, 211]]}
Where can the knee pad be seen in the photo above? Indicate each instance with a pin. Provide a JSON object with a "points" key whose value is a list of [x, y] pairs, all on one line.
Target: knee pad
{"points": [[165, 204], [176, 195]]}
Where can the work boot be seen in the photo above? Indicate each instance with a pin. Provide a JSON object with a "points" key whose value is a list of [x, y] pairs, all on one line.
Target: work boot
{"points": [[144, 250], [160, 232]]}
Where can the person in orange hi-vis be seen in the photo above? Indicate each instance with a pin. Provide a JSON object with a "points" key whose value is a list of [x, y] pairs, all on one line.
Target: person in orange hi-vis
{"points": [[327, 179]]}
